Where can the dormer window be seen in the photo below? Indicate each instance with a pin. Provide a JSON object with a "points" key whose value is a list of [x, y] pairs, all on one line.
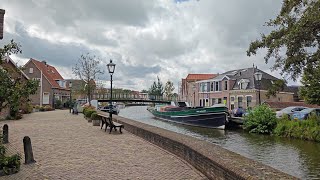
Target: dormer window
{"points": [[243, 83]]}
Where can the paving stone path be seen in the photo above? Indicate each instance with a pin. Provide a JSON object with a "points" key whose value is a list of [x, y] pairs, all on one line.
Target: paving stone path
{"points": [[66, 146]]}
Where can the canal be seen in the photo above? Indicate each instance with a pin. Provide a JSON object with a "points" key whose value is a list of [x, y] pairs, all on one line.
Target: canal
{"points": [[296, 157]]}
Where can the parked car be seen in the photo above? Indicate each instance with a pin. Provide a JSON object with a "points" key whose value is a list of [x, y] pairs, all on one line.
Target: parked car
{"points": [[289, 111], [305, 113], [115, 109], [238, 112]]}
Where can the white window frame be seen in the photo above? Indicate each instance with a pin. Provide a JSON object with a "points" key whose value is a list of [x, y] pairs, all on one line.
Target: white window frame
{"points": [[46, 100], [30, 70]]}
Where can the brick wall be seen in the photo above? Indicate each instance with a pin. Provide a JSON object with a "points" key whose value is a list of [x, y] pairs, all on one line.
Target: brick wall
{"points": [[212, 160], [1, 22]]}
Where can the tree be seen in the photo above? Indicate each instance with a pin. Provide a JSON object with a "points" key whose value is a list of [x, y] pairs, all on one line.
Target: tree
{"points": [[156, 89], [168, 89], [11, 48], [144, 91], [276, 87], [295, 42], [87, 69], [13, 89], [311, 89]]}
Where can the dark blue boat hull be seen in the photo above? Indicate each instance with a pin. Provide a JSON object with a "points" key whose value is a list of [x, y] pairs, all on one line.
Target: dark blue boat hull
{"points": [[210, 120]]}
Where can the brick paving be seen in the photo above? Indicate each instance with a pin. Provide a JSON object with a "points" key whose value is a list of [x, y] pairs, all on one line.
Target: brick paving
{"points": [[66, 146]]}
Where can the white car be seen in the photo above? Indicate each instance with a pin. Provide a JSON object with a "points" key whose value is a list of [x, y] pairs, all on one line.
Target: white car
{"points": [[289, 111]]}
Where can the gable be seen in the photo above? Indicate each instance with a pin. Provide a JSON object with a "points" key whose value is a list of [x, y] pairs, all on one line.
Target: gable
{"points": [[49, 72]]}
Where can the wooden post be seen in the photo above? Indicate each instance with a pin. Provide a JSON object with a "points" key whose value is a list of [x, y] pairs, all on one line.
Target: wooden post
{"points": [[28, 154], [5, 134]]}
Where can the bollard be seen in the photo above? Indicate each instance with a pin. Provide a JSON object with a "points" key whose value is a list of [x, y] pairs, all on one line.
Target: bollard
{"points": [[28, 154], [5, 134]]}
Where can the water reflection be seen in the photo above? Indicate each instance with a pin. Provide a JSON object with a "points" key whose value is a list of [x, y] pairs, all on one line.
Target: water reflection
{"points": [[296, 157]]}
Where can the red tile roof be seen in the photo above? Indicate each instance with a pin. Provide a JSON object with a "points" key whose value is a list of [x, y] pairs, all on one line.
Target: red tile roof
{"points": [[49, 72], [198, 77], [281, 105]]}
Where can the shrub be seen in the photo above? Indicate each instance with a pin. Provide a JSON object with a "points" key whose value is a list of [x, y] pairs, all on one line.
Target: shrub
{"points": [[89, 112], [261, 120], [47, 108], [86, 109], [29, 108], [95, 116], [41, 108], [58, 104], [37, 107], [308, 129]]}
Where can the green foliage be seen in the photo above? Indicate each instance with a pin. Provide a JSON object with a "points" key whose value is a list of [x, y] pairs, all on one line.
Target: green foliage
{"points": [[157, 88], [58, 104], [29, 108], [308, 129], [88, 110], [95, 116], [295, 44], [41, 108], [311, 89], [14, 90], [260, 120], [11, 48], [276, 87], [8, 163], [47, 108]]}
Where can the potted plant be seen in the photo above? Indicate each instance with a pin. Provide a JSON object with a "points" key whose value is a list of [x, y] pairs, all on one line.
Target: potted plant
{"points": [[95, 119], [88, 114]]}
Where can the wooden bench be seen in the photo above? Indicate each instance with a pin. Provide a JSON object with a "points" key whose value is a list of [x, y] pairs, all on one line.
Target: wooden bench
{"points": [[105, 119]]}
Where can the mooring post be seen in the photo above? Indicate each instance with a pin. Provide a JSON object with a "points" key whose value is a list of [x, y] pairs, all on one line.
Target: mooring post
{"points": [[5, 134], [28, 154]]}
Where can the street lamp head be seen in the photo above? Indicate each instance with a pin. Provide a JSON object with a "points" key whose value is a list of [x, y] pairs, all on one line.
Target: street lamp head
{"points": [[258, 76], [70, 84], [111, 67]]}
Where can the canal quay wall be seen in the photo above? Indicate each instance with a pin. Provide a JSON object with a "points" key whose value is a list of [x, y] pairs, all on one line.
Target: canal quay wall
{"points": [[212, 160]]}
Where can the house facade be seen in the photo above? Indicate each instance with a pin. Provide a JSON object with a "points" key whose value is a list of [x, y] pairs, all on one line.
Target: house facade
{"points": [[238, 89], [2, 12], [52, 85], [10, 66], [188, 88]]}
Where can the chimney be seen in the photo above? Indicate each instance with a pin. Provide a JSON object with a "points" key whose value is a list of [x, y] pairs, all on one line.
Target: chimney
{"points": [[2, 12], [44, 62]]}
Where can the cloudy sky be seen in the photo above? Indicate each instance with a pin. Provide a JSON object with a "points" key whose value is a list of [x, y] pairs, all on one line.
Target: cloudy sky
{"points": [[145, 38]]}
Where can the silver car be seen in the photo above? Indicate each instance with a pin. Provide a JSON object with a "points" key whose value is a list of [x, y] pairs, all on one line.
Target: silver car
{"points": [[289, 111]]}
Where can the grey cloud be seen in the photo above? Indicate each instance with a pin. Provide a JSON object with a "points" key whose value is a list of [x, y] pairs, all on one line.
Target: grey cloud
{"points": [[64, 13], [146, 38], [61, 54]]}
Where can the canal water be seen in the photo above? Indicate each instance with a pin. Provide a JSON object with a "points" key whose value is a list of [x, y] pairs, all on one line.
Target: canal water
{"points": [[296, 157]]}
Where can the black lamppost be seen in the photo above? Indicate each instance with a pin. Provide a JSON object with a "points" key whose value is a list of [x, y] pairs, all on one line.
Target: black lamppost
{"points": [[258, 77], [70, 102], [111, 67]]}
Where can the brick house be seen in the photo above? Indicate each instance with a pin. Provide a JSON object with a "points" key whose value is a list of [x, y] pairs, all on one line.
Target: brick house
{"points": [[9, 65], [238, 88], [52, 85], [2, 12], [187, 91]]}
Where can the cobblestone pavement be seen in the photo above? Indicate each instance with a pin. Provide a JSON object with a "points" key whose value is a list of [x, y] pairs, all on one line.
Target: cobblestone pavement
{"points": [[66, 146]]}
